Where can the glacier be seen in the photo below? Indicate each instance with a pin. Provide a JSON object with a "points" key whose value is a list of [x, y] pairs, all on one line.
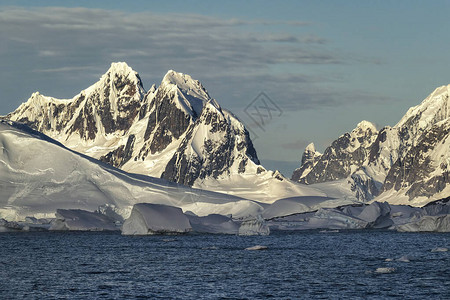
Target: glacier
{"points": [[150, 219], [39, 175]]}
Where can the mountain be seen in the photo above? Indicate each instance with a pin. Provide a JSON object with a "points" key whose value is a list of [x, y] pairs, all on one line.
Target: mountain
{"points": [[175, 131], [340, 159], [407, 163], [38, 175]]}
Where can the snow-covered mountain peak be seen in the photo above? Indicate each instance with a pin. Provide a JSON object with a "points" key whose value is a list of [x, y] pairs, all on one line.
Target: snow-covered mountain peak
{"points": [[309, 158], [175, 131], [37, 98], [122, 69], [188, 93], [183, 81], [186, 84], [310, 153], [365, 125], [407, 162], [120, 79], [435, 108], [310, 148]]}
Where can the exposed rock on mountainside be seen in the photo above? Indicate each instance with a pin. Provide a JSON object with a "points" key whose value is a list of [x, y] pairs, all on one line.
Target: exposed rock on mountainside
{"points": [[407, 162], [176, 131], [339, 160]]}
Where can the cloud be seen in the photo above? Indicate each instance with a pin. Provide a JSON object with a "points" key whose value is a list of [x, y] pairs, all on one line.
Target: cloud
{"points": [[67, 69], [296, 145], [171, 37], [234, 57]]}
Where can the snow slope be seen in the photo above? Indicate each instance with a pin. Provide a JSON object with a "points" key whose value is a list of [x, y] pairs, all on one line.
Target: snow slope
{"points": [[38, 176], [175, 131]]}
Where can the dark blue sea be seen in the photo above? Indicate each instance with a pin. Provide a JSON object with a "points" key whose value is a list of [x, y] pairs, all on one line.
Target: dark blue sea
{"points": [[300, 265]]}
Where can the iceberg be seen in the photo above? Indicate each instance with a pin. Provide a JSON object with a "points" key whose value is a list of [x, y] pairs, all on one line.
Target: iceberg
{"points": [[257, 247], [439, 249], [386, 270], [257, 226], [82, 220], [149, 219], [377, 215], [213, 223]]}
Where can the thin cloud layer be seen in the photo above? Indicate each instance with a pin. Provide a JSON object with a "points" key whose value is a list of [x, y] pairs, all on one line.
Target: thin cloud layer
{"points": [[62, 50]]}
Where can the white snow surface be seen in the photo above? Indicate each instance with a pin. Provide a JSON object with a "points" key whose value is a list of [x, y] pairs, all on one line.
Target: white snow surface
{"points": [[433, 109], [192, 96], [297, 205], [39, 176], [266, 188]]}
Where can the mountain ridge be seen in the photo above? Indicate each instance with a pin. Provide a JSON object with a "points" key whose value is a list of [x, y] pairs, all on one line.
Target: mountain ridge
{"points": [[176, 131], [408, 161]]}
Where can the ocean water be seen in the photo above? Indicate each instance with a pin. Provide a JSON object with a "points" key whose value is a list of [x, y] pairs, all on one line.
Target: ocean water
{"points": [[300, 265]]}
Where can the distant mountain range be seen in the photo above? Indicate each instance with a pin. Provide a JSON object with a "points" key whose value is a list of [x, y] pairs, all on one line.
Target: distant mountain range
{"points": [[175, 131], [178, 132], [409, 162]]}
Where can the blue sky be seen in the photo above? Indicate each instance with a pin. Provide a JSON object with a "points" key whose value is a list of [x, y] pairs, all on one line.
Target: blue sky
{"points": [[327, 64]]}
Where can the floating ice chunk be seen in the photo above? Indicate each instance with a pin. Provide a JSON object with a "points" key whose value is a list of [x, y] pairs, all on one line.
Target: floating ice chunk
{"points": [[213, 224], [255, 226], [403, 259], [385, 270], [169, 240], [257, 247], [148, 219], [388, 259], [82, 220], [439, 249], [211, 248]]}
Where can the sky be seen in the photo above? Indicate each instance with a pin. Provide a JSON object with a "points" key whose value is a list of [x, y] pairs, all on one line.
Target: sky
{"points": [[320, 67]]}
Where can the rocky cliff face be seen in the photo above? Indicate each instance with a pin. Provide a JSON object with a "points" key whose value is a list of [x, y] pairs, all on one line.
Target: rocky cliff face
{"points": [[409, 160], [310, 158], [218, 144], [107, 107], [176, 131], [340, 159]]}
